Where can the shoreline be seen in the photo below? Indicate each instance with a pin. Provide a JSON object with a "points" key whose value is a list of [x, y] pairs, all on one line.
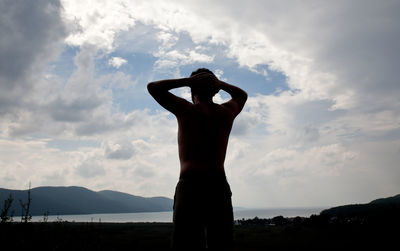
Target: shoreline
{"points": [[166, 216]]}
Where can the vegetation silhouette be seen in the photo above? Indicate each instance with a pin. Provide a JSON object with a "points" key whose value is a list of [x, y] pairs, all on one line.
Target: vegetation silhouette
{"points": [[26, 207], [6, 215]]}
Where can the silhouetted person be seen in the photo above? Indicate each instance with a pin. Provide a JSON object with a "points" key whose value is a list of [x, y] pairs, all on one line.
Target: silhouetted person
{"points": [[203, 215]]}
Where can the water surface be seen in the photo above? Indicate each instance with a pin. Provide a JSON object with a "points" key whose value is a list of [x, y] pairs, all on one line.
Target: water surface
{"points": [[167, 216]]}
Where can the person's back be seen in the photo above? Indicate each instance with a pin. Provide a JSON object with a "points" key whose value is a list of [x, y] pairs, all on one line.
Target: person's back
{"points": [[203, 138], [203, 213]]}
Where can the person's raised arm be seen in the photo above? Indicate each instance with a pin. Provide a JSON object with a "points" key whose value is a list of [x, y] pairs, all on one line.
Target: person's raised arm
{"points": [[239, 97], [160, 92]]}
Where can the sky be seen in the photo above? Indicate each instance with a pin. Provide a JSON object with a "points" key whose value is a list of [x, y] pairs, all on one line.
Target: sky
{"points": [[321, 126]]}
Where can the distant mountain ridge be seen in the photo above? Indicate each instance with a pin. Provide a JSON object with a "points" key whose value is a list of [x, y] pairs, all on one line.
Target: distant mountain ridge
{"points": [[385, 207], [80, 200]]}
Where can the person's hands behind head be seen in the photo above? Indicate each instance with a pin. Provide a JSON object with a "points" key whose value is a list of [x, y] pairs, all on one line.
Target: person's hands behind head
{"points": [[204, 83], [201, 78]]}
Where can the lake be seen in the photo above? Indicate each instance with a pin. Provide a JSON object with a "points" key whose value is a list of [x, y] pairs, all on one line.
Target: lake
{"points": [[167, 216]]}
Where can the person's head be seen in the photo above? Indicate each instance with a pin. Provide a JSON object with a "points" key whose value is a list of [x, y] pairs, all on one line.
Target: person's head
{"points": [[201, 70], [207, 91]]}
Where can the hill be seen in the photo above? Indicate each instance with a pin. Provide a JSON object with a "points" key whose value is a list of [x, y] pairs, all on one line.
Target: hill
{"points": [[79, 200], [385, 207]]}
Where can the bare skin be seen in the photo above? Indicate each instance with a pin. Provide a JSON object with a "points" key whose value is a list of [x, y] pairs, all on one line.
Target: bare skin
{"points": [[203, 126]]}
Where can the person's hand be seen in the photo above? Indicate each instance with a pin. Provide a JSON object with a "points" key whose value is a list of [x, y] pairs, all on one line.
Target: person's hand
{"points": [[201, 78], [204, 80]]}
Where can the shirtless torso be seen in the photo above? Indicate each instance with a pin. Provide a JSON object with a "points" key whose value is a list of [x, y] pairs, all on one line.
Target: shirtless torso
{"points": [[203, 132], [203, 126]]}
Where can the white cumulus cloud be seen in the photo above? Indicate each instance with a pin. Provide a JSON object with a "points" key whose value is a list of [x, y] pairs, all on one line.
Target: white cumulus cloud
{"points": [[117, 62]]}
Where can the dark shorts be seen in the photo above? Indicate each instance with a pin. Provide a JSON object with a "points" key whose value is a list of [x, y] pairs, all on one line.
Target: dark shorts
{"points": [[203, 215]]}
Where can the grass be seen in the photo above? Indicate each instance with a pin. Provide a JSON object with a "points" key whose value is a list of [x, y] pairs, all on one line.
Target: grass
{"points": [[157, 236]]}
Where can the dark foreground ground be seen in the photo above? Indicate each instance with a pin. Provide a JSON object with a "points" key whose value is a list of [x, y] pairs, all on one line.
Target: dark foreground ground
{"points": [[156, 236]]}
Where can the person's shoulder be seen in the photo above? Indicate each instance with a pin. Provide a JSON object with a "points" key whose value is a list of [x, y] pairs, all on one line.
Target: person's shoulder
{"points": [[223, 111], [185, 111], [232, 107]]}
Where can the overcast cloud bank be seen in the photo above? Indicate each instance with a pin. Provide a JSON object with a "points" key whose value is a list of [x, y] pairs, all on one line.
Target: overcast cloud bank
{"points": [[331, 136]]}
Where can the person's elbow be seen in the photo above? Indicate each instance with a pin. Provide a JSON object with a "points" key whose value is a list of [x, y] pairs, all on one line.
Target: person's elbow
{"points": [[244, 96], [151, 87]]}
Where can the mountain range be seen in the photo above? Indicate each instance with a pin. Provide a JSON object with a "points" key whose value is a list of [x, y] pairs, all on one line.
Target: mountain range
{"points": [[80, 200], [379, 208]]}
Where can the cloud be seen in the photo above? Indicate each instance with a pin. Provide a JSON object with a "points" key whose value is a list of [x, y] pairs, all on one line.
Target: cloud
{"points": [[174, 58], [321, 160], [282, 40], [117, 62], [344, 63], [144, 172], [31, 160], [90, 168], [67, 104], [96, 23], [335, 126], [25, 50], [122, 151], [78, 107], [72, 110]]}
